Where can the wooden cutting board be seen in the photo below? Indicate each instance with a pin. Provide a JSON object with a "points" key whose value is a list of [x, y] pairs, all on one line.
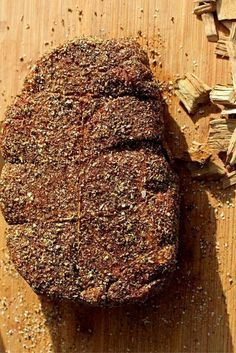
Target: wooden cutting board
{"points": [[198, 311]]}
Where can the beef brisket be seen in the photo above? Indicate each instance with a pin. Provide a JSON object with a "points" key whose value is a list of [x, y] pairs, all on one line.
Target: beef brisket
{"points": [[91, 200]]}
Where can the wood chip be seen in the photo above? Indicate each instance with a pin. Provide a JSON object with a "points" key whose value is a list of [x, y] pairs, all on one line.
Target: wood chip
{"points": [[229, 112], [226, 9], [201, 1], [220, 133], [213, 169], [229, 180], [204, 7], [227, 24], [232, 36], [198, 2], [210, 27], [192, 92], [223, 95], [231, 152], [221, 48]]}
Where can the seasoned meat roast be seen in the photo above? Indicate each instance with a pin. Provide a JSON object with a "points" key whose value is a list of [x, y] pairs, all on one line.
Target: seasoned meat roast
{"points": [[88, 191]]}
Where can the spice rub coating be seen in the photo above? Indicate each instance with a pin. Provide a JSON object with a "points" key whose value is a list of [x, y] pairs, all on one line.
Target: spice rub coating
{"points": [[123, 120], [90, 196], [94, 67], [123, 180], [123, 246], [47, 128], [42, 127], [30, 192], [128, 225], [45, 255]]}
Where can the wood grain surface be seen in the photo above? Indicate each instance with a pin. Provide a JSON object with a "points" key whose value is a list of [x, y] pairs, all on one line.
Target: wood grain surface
{"points": [[198, 311]]}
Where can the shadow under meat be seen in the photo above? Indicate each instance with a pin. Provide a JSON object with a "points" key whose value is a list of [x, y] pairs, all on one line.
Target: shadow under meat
{"points": [[190, 316]]}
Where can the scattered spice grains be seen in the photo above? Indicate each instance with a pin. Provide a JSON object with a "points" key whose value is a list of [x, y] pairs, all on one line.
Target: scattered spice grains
{"points": [[139, 33]]}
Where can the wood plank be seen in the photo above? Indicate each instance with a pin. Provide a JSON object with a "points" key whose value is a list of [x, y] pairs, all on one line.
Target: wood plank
{"points": [[197, 313]]}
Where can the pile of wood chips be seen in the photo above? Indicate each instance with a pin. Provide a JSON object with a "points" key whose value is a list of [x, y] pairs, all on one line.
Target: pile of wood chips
{"points": [[194, 93]]}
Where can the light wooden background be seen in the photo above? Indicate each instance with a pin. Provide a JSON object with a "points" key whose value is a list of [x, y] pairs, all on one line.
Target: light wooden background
{"points": [[198, 312]]}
